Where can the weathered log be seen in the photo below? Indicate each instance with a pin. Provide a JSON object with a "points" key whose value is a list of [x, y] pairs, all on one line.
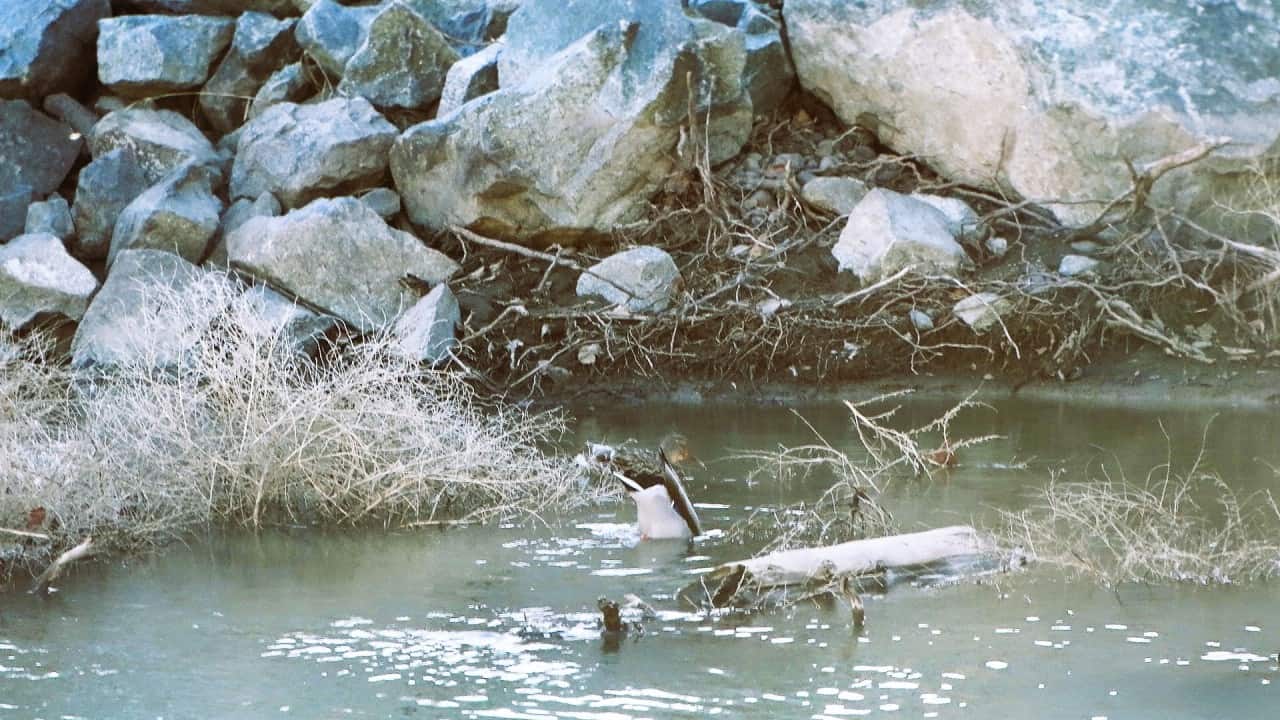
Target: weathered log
{"points": [[51, 573]]}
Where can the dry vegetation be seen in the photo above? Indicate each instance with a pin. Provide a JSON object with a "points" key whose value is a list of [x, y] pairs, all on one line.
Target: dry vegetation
{"points": [[247, 431]]}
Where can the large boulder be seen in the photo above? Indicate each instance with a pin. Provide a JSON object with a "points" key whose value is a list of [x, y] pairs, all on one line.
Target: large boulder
{"points": [[38, 277], [331, 33], [401, 62], [428, 330], [35, 150], [262, 44], [146, 55], [585, 125], [105, 187], [1047, 99], [216, 7], [179, 214], [642, 279], [135, 319], [46, 46], [288, 84], [300, 152], [887, 232], [767, 74], [158, 140], [337, 255]]}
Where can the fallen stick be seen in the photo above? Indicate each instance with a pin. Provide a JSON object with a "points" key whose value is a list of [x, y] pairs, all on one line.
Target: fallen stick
{"points": [[25, 533], [51, 573]]}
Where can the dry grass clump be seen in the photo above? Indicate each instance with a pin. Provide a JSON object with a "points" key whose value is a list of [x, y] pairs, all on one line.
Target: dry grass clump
{"points": [[1170, 528], [850, 509], [245, 430]]}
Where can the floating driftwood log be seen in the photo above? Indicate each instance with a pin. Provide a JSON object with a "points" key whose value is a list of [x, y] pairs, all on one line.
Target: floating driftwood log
{"points": [[822, 566]]}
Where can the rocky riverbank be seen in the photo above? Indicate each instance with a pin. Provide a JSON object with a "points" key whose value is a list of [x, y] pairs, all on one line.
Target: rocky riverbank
{"points": [[558, 197]]}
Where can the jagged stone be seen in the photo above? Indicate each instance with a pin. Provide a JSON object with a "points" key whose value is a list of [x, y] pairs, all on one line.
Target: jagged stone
{"points": [[35, 150], [331, 33], [159, 140], [237, 214], [643, 279], [131, 320], [146, 55], [271, 314], [401, 61], [1049, 100], [469, 78], [888, 231], [51, 217], [46, 46], [339, 256], [299, 152], [261, 45], [288, 84], [38, 277], [584, 127], [767, 74], [428, 330], [179, 214], [104, 188]]}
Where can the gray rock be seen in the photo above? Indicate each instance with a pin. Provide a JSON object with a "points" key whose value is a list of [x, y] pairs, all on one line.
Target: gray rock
{"points": [[767, 74], [402, 61], [288, 84], [269, 314], [131, 320], [37, 276], [331, 33], [1075, 265], [839, 195], [888, 231], [982, 311], [644, 279], [159, 140], [384, 201], [262, 44], [998, 246], [104, 188], [35, 149], [299, 152], [240, 212], [428, 330], [920, 319], [339, 256], [962, 221], [179, 214], [146, 55], [215, 7], [469, 24], [51, 217], [585, 126], [46, 46], [1053, 98], [13, 210], [468, 79]]}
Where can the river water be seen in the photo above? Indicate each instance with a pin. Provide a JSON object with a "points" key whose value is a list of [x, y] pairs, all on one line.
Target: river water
{"points": [[499, 621]]}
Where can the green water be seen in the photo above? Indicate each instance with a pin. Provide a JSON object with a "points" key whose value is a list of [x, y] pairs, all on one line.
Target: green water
{"points": [[427, 624]]}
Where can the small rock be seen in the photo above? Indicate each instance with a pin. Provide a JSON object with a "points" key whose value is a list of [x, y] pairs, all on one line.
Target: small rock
{"points": [[469, 78], [997, 246], [339, 256], [299, 152], [288, 84], [51, 217], [887, 232], [839, 195], [35, 150], [384, 201], [178, 215], [589, 353], [160, 140], [982, 310], [643, 279], [920, 319], [427, 332], [132, 319], [1086, 247], [331, 33], [37, 276], [104, 188], [962, 221], [46, 46], [147, 55], [758, 199], [1074, 265], [401, 62]]}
